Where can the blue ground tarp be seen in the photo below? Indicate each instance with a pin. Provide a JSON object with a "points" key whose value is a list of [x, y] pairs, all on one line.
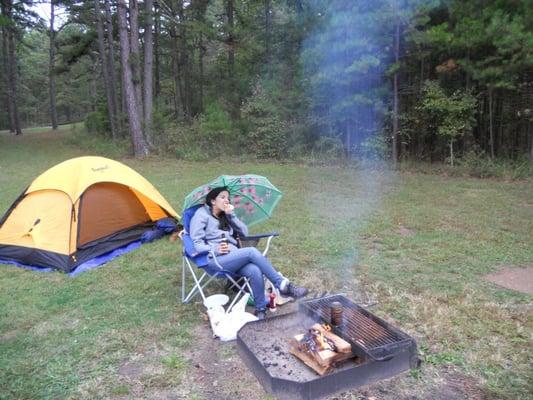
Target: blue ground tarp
{"points": [[162, 227], [90, 264]]}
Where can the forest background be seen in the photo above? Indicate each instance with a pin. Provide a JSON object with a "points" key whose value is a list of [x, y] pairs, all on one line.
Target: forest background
{"points": [[398, 80]]}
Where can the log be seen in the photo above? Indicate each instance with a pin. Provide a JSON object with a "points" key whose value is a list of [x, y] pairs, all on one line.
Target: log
{"points": [[309, 360], [323, 358], [342, 345]]}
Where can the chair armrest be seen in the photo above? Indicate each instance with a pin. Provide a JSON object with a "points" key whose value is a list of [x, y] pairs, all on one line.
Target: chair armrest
{"points": [[254, 239], [259, 236]]}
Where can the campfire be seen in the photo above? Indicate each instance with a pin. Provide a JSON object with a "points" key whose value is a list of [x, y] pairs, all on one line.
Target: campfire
{"points": [[330, 344], [320, 348]]}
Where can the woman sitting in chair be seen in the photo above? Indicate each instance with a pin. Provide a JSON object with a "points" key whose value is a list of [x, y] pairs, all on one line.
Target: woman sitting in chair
{"points": [[213, 228]]}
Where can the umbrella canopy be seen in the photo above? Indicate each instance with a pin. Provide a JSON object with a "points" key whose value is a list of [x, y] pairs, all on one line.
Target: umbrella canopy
{"points": [[253, 196]]}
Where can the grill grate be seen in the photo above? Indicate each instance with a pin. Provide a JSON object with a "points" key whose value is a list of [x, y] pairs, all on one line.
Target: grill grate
{"points": [[372, 335]]}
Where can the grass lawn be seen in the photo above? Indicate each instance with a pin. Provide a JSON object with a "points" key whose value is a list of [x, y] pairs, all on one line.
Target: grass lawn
{"points": [[416, 245]]}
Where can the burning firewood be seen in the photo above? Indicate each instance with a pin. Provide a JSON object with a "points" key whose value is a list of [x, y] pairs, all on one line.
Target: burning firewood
{"points": [[314, 341], [320, 348]]}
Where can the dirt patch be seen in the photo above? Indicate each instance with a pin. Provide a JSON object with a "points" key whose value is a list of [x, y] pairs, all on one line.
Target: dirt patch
{"points": [[8, 336], [218, 372], [131, 370], [519, 279], [405, 231]]}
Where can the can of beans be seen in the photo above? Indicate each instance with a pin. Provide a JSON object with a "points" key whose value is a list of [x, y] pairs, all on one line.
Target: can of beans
{"points": [[336, 313]]}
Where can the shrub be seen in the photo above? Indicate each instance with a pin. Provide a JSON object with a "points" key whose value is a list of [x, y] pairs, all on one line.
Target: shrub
{"points": [[375, 147], [264, 132], [451, 116], [98, 122], [215, 127], [477, 164], [185, 142], [328, 149]]}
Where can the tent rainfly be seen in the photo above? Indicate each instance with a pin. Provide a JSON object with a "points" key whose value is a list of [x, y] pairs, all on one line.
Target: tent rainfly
{"points": [[78, 210]]}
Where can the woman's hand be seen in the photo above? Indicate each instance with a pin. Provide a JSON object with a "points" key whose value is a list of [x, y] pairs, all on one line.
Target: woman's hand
{"points": [[228, 208], [223, 248]]}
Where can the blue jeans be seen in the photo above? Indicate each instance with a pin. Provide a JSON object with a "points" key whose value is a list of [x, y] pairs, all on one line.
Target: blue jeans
{"points": [[249, 262]]}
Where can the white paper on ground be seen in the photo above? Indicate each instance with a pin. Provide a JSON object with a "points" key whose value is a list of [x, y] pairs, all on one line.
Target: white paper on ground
{"points": [[225, 325]]}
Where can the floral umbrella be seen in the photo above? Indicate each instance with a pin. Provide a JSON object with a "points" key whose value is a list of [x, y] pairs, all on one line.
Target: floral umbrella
{"points": [[253, 196]]}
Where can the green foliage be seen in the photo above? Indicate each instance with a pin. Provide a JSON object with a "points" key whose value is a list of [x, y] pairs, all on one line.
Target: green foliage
{"points": [[478, 164], [507, 39], [451, 116], [215, 127], [328, 149], [98, 122], [264, 132], [175, 361], [375, 147], [183, 142], [326, 69], [475, 164], [210, 135], [74, 97], [74, 43]]}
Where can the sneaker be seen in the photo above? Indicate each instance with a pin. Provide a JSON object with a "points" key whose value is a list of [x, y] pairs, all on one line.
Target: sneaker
{"points": [[260, 314], [294, 291]]}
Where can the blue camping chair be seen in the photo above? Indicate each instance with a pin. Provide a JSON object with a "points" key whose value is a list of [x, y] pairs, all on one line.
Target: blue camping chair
{"points": [[194, 263]]}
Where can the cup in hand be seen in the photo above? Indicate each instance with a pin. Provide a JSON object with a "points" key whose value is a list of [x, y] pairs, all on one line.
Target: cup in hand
{"points": [[224, 246]]}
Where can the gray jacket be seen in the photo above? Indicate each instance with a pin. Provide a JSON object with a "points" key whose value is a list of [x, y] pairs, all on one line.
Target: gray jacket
{"points": [[206, 234]]}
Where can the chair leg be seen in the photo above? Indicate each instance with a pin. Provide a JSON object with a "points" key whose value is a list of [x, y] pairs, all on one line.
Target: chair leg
{"points": [[240, 293], [204, 280], [197, 287], [183, 280]]}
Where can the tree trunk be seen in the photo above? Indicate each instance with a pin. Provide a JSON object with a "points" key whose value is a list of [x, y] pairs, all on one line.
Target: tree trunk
{"points": [[5, 64], [491, 128], [350, 128], [502, 145], [105, 69], [93, 83], [201, 8], [157, 62], [111, 67], [177, 98], [12, 61], [530, 136], [201, 54], [268, 27], [148, 70], [140, 147], [11, 76], [52, 75], [451, 151], [422, 65], [135, 54], [467, 74], [183, 65], [395, 99], [230, 43]]}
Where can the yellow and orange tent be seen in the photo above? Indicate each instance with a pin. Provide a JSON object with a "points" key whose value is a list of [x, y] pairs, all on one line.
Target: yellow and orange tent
{"points": [[78, 210]]}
